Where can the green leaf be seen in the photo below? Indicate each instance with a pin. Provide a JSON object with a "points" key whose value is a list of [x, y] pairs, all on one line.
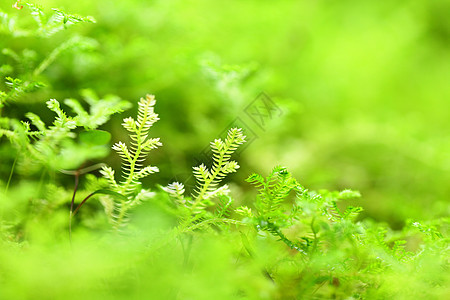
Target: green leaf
{"points": [[95, 137]]}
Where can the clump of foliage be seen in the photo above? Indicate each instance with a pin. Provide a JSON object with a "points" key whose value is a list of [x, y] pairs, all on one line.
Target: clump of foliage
{"points": [[24, 70], [54, 147], [282, 241]]}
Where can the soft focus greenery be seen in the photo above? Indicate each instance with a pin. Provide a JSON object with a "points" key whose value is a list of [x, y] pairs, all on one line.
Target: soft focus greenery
{"points": [[361, 93], [363, 86]]}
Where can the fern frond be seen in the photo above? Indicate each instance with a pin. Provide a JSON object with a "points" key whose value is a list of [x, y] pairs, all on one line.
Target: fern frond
{"points": [[284, 185], [17, 88], [351, 213], [430, 231], [209, 179], [256, 179], [273, 190], [333, 211], [201, 173], [122, 150], [62, 120], [100, 110], [36, 121], [208, 184], [142, 196], [245, 211], [108, 173], [176, 191], [221, 191], [150, 144], [224, 207], [145, 172], [48, 25], [146, 115], [146, 118], [133, 158], [38, 14], [129, 124]]}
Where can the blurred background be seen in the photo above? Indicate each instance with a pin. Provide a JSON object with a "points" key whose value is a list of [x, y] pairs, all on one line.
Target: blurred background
{"points": [[346, 94]]}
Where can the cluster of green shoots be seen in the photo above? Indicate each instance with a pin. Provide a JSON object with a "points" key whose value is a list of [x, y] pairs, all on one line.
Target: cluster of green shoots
{"points": [[288, 242]]}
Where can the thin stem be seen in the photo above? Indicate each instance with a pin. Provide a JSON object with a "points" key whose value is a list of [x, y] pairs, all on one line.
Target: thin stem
{"points": [[82, 202], [11, 173], [103, 191], [84, 170]]}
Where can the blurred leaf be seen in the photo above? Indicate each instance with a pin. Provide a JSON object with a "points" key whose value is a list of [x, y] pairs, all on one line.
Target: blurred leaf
{"points": [[95, 137]]}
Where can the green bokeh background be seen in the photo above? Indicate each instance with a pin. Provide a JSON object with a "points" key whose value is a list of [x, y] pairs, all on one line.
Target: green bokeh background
{"points": [[362, 86]]}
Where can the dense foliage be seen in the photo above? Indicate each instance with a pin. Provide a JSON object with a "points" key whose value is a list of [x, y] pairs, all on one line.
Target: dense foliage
{"points": [[154, 219]]}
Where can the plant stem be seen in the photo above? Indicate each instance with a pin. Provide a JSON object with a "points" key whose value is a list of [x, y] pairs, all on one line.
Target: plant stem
{"points": [[11, 173]]}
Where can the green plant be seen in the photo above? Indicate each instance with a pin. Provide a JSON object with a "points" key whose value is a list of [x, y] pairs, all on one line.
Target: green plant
{"points": [[208, 180], [192, 211], [55, 147], [24, 68], [132, 164], [278, 240]]}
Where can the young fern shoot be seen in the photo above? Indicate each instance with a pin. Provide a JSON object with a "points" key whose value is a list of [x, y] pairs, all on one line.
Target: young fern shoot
{"points": [[133, 158], [208, 180]]}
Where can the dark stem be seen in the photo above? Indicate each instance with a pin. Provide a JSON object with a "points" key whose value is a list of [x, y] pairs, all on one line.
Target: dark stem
{"points": [[102, 191], [82, 202]]}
